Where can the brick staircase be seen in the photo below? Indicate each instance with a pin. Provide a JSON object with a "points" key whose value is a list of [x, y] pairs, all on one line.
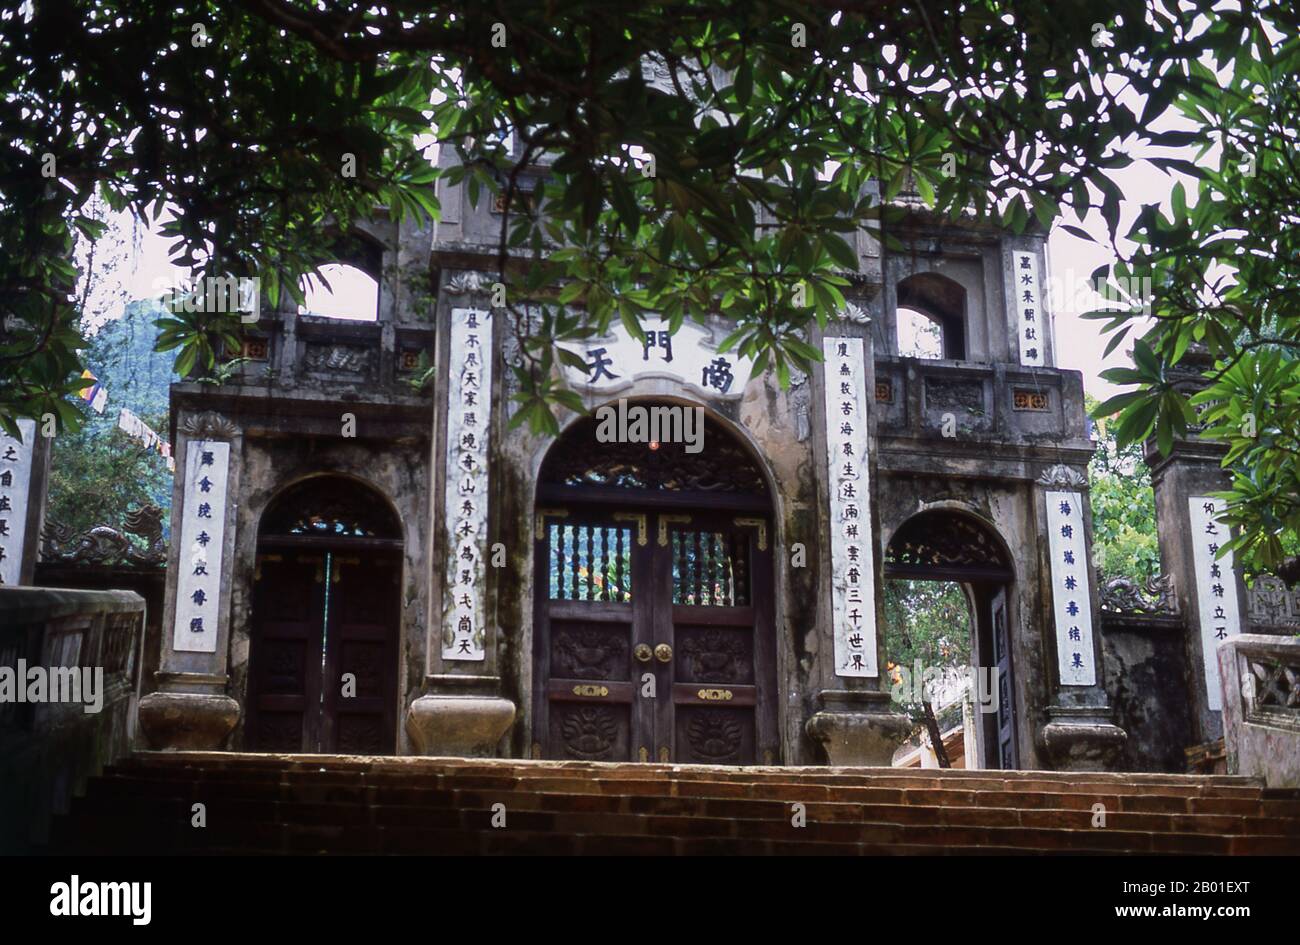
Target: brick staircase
{"points": [[259, 803]]}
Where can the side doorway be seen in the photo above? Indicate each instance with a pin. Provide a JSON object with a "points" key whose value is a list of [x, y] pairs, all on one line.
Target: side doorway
{"points": [[943, 546], [325, 634]]}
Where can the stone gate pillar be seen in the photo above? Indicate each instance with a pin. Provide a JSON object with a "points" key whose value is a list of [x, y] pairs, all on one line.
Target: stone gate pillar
{"points": [[192, 708], [1210, 591], [461, 711], [1080, 733], [855, 720]]}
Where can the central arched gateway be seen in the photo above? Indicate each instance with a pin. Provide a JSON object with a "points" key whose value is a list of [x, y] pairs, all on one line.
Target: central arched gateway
{"points": [[654, 636]]}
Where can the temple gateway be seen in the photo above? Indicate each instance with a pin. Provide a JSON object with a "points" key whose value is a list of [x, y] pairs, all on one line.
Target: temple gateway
{"points": [[366, 562]]}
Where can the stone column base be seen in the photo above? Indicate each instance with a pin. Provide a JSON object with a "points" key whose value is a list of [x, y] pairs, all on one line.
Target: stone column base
{"points": [[187, 721], [1081, 740], [858, 728], [463, 726]]}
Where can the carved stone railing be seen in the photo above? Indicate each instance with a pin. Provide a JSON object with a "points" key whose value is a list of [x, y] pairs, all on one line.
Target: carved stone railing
{"points": [[76, 655], [106, 546], [978, 402], [1260, 675], [1272, 606]]}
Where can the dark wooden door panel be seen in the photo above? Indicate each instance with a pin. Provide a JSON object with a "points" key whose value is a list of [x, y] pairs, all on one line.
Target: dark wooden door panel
{"points": [[285, 660], [361, 644], [1008, 755]]}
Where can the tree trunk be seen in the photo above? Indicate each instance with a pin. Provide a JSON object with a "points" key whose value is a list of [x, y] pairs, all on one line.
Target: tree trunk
{"points": [[936, 737]]}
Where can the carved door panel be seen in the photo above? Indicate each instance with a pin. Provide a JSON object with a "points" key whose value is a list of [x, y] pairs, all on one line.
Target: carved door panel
{"points": [[1008, 756], [285, 658], [359, 698], [714, 610], [593, 578]]}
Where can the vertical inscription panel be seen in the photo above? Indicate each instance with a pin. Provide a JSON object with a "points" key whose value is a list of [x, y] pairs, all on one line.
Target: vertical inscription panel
{"points": [[1216, 588], [469, 413], [1027, 303], [853, 588], [203, 528], [1071, 589], [15, 487]]}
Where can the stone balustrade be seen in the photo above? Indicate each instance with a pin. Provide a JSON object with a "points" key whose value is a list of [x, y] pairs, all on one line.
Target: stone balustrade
{"points": [[69, 678], [1260, 675]]}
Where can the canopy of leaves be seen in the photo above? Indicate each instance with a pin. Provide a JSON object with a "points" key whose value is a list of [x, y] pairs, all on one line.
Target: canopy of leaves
{"points": [[1219, 352], [777, 131]]}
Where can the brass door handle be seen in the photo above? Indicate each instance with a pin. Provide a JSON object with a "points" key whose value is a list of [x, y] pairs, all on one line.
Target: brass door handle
{"points": [[663, 653], [642, 652]]}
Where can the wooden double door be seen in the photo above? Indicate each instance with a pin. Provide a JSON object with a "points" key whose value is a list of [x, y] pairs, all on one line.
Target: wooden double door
{"points": [[654, 637], [324, 651]]}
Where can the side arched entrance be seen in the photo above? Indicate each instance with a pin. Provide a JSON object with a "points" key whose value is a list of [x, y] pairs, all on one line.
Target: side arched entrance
{"points": [[323, 654], [944, 545], [653, 632]]}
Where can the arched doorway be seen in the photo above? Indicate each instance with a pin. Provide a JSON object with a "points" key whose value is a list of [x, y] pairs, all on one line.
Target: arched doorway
{"points": [[946, 545], [326, 607], [653, 631]]}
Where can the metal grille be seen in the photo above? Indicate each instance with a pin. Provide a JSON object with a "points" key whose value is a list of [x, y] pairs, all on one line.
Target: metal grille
{"points": [[590, 562]]}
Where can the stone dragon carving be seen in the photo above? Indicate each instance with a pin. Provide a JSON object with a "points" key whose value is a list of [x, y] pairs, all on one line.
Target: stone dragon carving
{"points": [[105, 545]]}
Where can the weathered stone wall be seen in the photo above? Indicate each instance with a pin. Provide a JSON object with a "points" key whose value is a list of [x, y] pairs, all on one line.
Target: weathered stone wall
{"points": [[1147, 679]]}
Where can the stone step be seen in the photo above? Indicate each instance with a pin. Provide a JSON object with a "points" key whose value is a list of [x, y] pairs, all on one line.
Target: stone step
{"points": [[309, 804], [408, 766], [302, 785], [350, 835], [775, 779], [126, 800]]}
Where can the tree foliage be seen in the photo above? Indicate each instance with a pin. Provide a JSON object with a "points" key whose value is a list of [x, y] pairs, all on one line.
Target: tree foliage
{"points": [[1123, 508], [776, 132], [97, 472], [1219, 354]]}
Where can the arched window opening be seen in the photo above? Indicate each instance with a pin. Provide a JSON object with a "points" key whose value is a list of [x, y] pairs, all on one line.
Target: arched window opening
{"points": [[339, 290], [931, 315]]}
